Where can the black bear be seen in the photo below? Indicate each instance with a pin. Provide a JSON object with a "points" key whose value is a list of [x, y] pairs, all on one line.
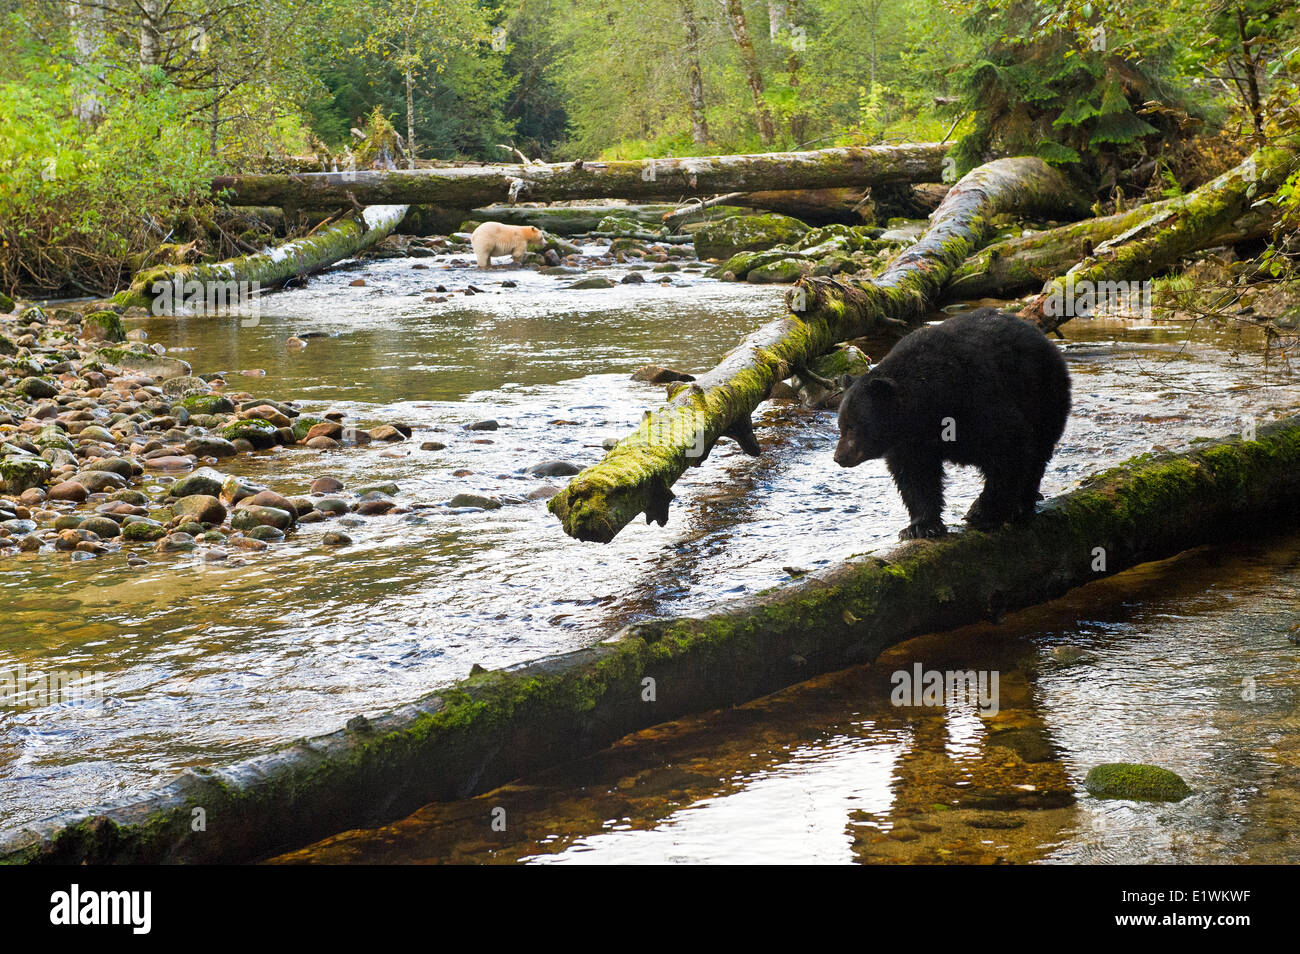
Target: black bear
{"points": [[982, 388]]}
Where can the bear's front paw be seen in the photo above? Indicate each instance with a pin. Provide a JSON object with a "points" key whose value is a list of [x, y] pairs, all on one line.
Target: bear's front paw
{"points": [[922, 529]]}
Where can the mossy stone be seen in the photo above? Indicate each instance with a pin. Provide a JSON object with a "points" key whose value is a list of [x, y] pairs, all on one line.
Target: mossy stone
{"points": [[781, 272], [303, 424], [22, 473], [103, 326], [102, 527], [261, 434], [208, 404], [143, 531], [37, 388], [746, 233], [1135, 781]]}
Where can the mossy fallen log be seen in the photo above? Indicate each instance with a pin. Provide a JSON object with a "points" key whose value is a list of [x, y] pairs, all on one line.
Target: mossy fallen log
{"points": [[470, 187], [188, 288], [1224, 206], [843, 206], [497, 726], [636, 475], [568, 219], [1029, 261]]}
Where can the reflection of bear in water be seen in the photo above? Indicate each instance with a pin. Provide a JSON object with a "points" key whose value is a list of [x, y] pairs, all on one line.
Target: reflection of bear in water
{"points": [[982, 388]]}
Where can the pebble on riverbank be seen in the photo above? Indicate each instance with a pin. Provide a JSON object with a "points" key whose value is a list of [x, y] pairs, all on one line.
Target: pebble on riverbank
{"points": [[107, 443]]}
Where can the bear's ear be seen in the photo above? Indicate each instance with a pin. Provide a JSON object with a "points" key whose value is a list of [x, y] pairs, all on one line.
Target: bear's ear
{"points": [[886, 389]]}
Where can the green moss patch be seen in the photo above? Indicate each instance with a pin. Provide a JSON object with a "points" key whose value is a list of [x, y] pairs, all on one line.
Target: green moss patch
{"points": [[1135, 781]]}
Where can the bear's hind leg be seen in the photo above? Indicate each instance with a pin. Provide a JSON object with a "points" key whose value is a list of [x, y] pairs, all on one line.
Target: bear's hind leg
{"points": [[919, 478], [999, 502], [1028, 497]]}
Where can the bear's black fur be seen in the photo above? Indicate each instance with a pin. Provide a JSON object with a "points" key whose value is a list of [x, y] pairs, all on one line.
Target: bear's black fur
{"points": [[982, 388]]}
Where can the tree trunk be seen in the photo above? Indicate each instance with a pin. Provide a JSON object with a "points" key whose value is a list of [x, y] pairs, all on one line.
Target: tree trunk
{"points": [[150, 32], [794, 39], [734, 13], [496, 726], [1021, 264], [155, 288], [694, 77], [410, 105], [87, 26], [813, 206], [636, 475], [1161, 240], [469, 187]]}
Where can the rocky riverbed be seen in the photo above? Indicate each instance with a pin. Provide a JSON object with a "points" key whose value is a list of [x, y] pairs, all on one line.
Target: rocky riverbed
{"points": [[111, 444]]}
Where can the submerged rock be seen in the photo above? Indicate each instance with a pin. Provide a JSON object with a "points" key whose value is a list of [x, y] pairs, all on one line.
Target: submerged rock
{"points": [[477, 501], [554, 468], [595, 281]]}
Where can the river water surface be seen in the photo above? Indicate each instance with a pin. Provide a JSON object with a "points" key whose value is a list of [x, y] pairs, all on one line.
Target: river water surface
{"points": [[208, 663]]}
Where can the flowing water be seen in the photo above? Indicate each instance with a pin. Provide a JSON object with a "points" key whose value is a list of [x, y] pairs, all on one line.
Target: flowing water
{"points": [[205, 663]]}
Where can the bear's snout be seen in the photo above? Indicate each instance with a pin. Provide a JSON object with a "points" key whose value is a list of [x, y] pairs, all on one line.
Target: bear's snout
{"points": [[848, 452]]}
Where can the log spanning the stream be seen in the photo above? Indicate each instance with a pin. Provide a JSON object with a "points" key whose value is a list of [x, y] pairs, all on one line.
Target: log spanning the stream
{"points": [[469, 187], [1230, 205], [636, 475], [496, 726], [168, 289]]}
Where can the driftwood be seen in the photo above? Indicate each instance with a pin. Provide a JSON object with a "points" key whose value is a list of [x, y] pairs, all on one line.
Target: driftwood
{"points": [[474, 186], [636, 475], [496, 726]]}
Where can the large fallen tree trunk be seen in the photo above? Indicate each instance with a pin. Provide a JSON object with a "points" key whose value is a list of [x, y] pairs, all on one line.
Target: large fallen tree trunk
{"points": [[497, 726], [568, 219], [636, 475], [1227, 205], [474, 186], [845, 206], [1027, 262], [187, 288]]}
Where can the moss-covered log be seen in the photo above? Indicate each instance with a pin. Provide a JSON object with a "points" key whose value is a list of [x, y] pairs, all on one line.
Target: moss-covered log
{"points": [[470, 187], [170, 289], [496, 726], [636, 475], [1224, 206], [568, 219], [1029, 261], [811, 206]]}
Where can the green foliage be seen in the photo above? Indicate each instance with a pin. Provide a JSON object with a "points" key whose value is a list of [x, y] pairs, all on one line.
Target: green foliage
{"points": [[1053, 86], [80, 202]]}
